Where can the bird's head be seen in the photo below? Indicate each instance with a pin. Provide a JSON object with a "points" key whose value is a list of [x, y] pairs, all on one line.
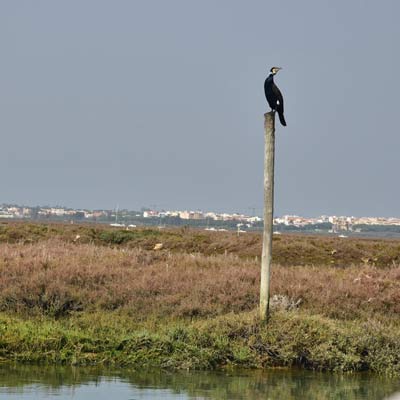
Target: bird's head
{"points": [[274, 70]]}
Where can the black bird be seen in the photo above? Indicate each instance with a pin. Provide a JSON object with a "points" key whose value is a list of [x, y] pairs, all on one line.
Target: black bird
{"points": [[274, 95]]}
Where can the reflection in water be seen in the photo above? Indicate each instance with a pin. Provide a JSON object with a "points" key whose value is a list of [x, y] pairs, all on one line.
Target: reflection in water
{"points": [[39, 382]]}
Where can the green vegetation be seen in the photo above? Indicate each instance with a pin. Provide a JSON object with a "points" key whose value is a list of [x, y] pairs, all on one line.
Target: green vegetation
{"points": [[291, 339], [94, 295]]}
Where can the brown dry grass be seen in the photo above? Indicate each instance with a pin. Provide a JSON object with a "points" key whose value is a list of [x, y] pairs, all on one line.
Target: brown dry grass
{"points": [[57, 276], [289, 250]]}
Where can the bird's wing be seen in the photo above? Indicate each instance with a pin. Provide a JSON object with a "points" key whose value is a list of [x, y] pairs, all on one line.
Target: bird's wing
{"points": [[279, 98]]}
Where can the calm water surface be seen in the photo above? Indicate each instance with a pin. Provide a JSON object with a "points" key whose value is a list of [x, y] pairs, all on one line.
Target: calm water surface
{"points": [[33, 382]]}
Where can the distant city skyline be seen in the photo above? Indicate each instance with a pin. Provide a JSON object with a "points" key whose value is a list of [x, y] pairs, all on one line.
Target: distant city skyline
{"points": [[151, 102], [157, 210]]}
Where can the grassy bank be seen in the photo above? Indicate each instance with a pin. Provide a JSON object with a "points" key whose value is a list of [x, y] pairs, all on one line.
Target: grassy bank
{"points": [[72, 295], [291, 339]]}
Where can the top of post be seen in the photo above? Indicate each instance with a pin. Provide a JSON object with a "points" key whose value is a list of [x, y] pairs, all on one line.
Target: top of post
{"points": [[269, 122]]}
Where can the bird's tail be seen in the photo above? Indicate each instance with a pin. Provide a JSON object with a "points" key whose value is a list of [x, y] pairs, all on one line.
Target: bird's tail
{"points": [[282, 118]]}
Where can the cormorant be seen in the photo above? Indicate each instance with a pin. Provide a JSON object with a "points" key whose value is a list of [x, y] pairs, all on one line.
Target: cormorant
{"points": [[274, 95]]}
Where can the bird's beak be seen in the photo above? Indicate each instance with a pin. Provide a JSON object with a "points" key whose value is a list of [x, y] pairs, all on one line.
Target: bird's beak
{"points": [[278, 68]]}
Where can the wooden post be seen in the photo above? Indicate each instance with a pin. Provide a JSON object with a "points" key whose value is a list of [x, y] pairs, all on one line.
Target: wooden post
{"points": [[269, 159]]}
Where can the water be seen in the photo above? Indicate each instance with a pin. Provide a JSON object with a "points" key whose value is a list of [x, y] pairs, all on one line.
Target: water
{"points": [[35, 382]]}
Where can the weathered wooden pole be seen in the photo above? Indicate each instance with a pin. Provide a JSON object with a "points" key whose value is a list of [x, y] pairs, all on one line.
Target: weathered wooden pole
{"points": [[269, 160]]}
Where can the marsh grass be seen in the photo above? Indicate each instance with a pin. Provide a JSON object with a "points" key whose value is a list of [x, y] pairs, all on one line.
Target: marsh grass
{"points": [[289, 250], [108, 298], [291, 339], [56, 278]]}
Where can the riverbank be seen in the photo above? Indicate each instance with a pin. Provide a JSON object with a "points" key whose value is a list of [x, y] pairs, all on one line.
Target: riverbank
{"points": [[70, 298], [290, 339]]}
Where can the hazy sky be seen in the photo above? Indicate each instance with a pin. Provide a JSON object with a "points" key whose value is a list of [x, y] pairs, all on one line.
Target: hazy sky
{"points": [[161, 103]]}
